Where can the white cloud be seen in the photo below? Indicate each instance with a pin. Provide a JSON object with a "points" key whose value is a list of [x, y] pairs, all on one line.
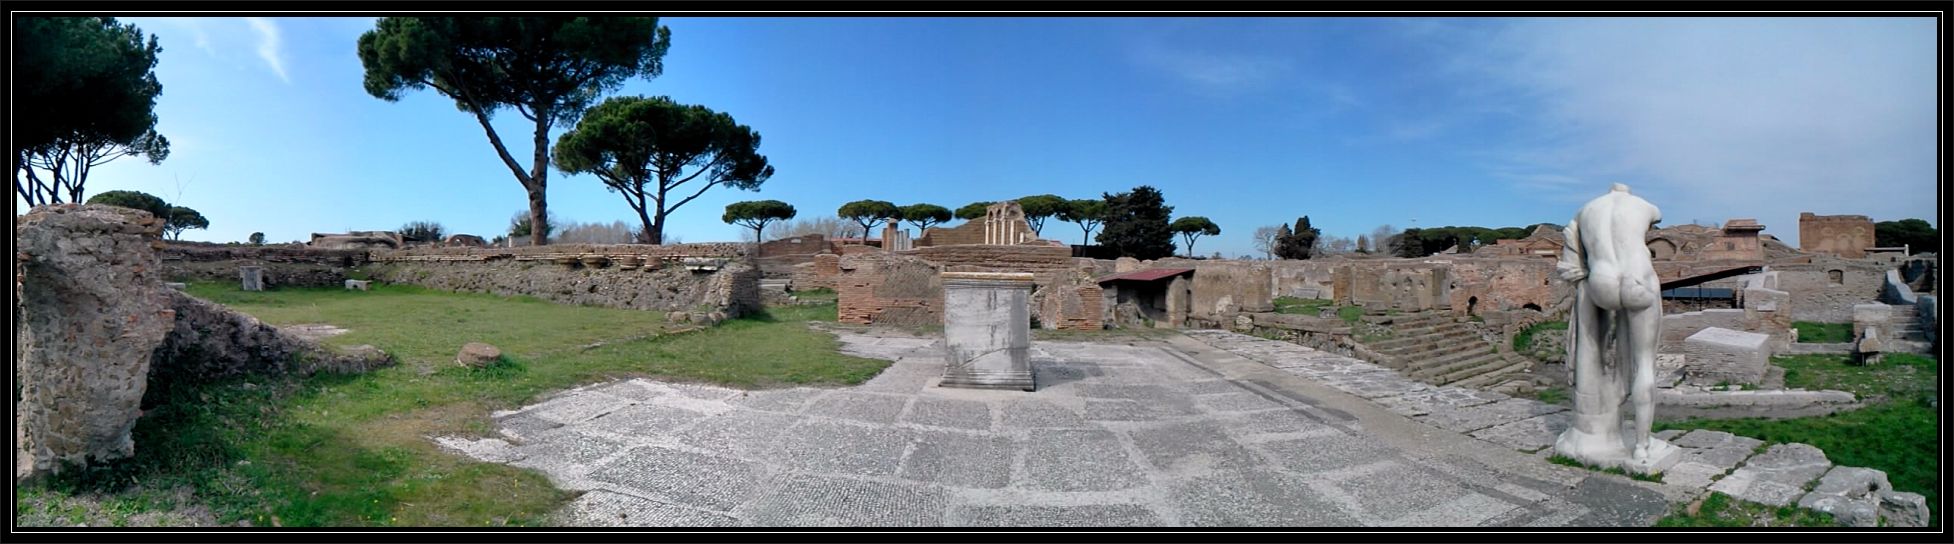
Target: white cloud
{"points": [[1726, 117], [268, 46], [1209, 71]]}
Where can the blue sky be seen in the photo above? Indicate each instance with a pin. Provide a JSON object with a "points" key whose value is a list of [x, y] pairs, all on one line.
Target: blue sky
{"points": [[1250, 122]]}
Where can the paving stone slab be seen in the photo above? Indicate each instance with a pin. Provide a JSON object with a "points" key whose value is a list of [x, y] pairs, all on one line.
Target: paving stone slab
{"points": [[1530, 434], [1064, 460], [1325, 453], [1089, 515], [790, 401], [1277, 421], [1398, 490], [840, 448], [1255, 498], [903, 378], [745, 434], [1207, 387], [566, 449], [1188, 448], [646, 420], [577, 408], [801, 500], [682, 477], [1235, 402], [1042, 414], [1469, 419], [1776, 477], [959, 414], [607, 509], [960, 460], [864, 407]]}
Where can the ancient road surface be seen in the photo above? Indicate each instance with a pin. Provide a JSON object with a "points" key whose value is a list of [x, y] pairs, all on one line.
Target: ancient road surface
{"points": [[1171, 432]]}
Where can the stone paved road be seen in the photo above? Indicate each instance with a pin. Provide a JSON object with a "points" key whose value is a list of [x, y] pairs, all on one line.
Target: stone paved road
{"points": [[1146, 433]]}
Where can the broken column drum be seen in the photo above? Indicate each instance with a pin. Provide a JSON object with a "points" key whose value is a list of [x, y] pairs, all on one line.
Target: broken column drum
{"points": [[987, 330]]}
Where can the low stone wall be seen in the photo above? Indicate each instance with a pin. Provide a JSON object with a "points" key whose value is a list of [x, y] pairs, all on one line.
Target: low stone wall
{"points": [[1683, 403], [901, 288], [1817, 296], [209, 341], [285, 265], [614, 251], [733, 289]]}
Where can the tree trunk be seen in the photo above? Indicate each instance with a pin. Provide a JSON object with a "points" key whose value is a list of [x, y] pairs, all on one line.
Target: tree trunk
{"points": [[539, 173]]}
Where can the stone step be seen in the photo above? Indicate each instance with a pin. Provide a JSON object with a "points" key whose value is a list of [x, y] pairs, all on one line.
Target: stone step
{"points": [[1412, 341], [1491, 372], [1499, 375], [1433, 329], [1442, 354], [1419, 321], [1449, 366]]}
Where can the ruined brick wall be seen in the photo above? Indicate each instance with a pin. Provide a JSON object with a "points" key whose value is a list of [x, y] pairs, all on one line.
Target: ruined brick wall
{"points": [[889, 289], [733, 289], [285, 265], [1845, 236], [1482, 285], [706, 249], [1817, 296], [819, 274], [1312, 278], [1224, 288], [209, 342], [779, 257], [969, 233], [1404, 285], [901, 288]]}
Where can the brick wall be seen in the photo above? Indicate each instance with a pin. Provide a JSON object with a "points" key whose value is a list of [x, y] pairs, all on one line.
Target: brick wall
{"points": [[1842, 235], [882, 288], [821, 273], [902, 288], [970, 232], [1816, 297]]}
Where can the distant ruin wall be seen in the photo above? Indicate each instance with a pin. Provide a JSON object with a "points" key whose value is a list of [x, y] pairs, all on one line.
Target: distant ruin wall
{"points": [[887, 289], [902, 288], [1846, 236], [285, 265], [733, 289], [1826, 289]]}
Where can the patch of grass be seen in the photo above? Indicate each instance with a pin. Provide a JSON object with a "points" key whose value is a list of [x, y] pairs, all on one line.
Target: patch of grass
{"points": [[1301, 306], [353, 450], [1720, 510], [1822, 333], [816, 294], [1350, 314], [1523, 341], [1897, 432], [1569, 461], [1551, 395]]}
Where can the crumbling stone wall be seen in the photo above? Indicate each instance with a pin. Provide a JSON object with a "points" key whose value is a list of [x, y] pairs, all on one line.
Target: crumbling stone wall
{"points": [[819, 274], [1825, 289], [901, 288], [614, 251], [1222, 289], [285, 265], [1312, 278], [779, 258], [93, 308], [1479, 286], [733, 289], [208, 341]]}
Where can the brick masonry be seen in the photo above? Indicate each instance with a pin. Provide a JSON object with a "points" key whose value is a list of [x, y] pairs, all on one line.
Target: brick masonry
{"points": [[901, 288]]}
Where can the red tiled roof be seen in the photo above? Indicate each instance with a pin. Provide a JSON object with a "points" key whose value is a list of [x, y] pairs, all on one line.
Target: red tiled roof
{"points": [[1150, 274]]}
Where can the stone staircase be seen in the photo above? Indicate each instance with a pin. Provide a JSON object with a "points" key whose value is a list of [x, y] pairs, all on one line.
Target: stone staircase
{"points": [[1436, 349], [1909, 333]]}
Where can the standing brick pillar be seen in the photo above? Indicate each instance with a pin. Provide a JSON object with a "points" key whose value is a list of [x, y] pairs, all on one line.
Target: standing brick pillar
{"points": [[93, 309], [987, 328], [253, 277]]}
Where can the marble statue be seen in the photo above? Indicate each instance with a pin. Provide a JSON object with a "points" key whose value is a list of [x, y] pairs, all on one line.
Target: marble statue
{"points": [[1612, 332]]}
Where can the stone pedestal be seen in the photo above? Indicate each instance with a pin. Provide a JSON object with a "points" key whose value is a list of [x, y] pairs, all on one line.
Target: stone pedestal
{"points": [[253, 276], [987, 330], [1717, 355]]}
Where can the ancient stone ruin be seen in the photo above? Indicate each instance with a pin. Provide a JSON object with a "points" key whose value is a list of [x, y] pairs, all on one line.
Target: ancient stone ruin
{"points": [[987, 330]]}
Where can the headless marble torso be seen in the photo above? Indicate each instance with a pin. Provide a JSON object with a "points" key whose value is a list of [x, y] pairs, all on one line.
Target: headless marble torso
{"points": [[1617, 308]]}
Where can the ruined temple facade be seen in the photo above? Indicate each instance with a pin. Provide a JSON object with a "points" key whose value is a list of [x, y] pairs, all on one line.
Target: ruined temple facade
{"points": [[1003, 225]]}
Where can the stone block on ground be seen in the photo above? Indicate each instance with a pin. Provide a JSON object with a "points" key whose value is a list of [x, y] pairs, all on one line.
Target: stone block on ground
{"points": [[1859, 497], [1777, 477], [477, 355], [1717, 355]]}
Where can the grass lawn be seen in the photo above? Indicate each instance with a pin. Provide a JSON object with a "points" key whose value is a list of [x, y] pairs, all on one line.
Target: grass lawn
{"points": [[352, 450], [1897, 432], [1822, 333]]}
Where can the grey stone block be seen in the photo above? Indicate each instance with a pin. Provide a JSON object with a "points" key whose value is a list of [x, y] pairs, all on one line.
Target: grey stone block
{"points": [[790, 401], [1324, 453], [821, 446], [812, 501], [606, 509], [1089, 515], [959, 414], [682, 477], [1777, 477], [1392, 493], [1718, 355], [1254, 499], [959, 460], [1041, 414], [745, 434], [1078, 461], [1189, 448], [864, 407]]}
